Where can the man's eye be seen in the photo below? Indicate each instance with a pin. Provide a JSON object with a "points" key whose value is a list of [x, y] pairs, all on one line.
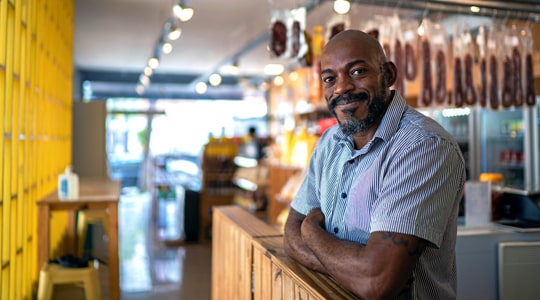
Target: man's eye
{"points": [[358, 71], [328, 79]]}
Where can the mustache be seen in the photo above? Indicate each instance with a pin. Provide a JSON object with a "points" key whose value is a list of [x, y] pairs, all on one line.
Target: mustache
{"points": [[348, 97]]}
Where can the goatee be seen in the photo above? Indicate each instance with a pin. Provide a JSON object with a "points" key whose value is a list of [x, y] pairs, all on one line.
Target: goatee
{"points": [[351, 125]]}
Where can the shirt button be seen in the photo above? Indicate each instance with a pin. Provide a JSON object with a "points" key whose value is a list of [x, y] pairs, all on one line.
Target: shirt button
{"points": [[336, 230], [343, 195]]}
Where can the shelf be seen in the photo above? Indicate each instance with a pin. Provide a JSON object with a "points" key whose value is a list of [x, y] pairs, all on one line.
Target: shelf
{"points": [[512, 165]]}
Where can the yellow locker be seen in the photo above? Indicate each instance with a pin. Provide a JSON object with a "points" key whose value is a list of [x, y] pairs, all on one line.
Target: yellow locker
{"points": [[7, 235], [35, 106], [3, 23]]}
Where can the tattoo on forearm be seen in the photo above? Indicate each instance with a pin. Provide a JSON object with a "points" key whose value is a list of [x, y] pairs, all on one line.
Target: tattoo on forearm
{"points": [[403, 242], [395, 240]]}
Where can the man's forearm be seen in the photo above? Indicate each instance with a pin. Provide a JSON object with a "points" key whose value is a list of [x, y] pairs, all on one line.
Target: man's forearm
{"points": [[295, 246]]}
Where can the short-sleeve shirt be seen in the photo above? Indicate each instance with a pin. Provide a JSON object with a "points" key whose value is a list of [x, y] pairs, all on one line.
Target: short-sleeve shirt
{"points": [[408, 179]]}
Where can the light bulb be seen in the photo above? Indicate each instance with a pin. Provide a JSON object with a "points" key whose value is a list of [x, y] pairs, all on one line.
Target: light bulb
{"points": [[167, 48], [148, 71], [342, 6], [201, 87], [215, 79], [153, 63], [177, 10], [175, 34], [278, 81], [139, 89], [186, 15], [144, 80], [273, 69]]}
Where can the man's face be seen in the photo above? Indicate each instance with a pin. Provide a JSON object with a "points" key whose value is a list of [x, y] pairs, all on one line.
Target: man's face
{"points": [[349, 123], [354, 86]]}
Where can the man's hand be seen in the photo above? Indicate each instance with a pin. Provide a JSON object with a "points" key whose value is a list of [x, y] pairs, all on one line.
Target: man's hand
{"points": [[314, 218]]}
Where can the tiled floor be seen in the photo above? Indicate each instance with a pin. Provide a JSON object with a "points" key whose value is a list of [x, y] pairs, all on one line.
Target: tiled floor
{"points": [[151, 268]]}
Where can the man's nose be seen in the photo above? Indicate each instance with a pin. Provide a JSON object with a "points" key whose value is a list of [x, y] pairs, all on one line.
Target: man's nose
{"points": [[343, 85]]}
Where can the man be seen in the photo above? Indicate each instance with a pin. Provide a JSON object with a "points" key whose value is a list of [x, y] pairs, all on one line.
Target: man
{"points": [[378, 208]]}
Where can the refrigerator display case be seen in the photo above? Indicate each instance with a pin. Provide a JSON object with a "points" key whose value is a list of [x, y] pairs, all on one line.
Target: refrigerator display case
{"points": [[509, 144], [502, 144], [497, 141]]}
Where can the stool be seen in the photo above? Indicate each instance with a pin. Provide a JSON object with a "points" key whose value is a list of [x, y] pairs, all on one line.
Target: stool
{"points": [[85, 217], [52, 274]]}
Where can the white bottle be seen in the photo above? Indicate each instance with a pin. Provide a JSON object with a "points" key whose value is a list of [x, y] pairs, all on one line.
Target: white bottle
{"points": [[68, 185]]}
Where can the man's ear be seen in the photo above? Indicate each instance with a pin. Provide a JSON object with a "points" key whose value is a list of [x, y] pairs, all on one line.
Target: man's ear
{"points": [[390, 72]]}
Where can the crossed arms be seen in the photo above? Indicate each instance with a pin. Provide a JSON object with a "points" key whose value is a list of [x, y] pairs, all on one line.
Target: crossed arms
{"points": [[380, 269]]}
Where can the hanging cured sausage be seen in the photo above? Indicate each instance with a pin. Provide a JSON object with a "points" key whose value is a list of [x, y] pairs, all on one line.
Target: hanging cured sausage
{"points": [[530, 95], [482, 66], [507, 92], [400, 65], [493, 41], [426, 89], [410, 39], [440, 77], [457, 89]]}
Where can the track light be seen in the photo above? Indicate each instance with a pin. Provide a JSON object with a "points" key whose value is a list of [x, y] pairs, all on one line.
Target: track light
{"points": [[139, 89], [144, 80], [273, 69], [148, 71], [153, 63], [201, 87], [171, 32], [342, 6], [174, 34], [215, 79], [182, 12], [232, 69], [167, 48]]}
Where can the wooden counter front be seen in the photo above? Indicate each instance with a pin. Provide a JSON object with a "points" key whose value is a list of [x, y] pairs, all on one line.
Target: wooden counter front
{"points": [[248, 262]]}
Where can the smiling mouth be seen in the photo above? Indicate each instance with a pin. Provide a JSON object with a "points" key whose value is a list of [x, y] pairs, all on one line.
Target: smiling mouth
{"points": [[346, 102], [349, 101]]}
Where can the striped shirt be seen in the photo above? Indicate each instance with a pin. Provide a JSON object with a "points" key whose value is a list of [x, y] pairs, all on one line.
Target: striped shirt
{"points": [[408, 178]]}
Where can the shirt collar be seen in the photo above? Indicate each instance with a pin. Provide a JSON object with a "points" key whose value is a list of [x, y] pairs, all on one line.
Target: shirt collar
{"points": [[390, 122]]}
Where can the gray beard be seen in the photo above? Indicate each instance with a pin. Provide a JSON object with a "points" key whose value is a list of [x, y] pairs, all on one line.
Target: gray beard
{"points": [[376, 109]]}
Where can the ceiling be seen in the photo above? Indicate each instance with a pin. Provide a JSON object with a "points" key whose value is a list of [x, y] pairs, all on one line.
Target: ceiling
{"points": [[115, 38]]}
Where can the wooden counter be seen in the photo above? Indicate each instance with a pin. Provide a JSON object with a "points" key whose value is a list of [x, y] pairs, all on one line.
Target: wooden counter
{"points": [[94, 193], [248, 262]]}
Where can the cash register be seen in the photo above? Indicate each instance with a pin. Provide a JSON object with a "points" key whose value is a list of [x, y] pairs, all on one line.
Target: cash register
{"points": [[519, 207]]}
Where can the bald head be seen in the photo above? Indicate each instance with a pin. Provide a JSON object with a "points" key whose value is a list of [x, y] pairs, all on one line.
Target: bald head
{"points": [[357, 38]]}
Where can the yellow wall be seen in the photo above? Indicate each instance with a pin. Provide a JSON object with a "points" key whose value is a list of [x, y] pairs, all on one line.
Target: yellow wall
{"points": [[36, 70]]}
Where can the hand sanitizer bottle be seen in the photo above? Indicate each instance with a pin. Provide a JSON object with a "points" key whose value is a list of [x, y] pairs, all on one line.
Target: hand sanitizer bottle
{"points": [[68, 185]]}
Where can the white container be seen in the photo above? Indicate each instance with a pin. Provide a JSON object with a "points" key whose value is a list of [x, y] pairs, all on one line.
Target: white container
{"points": [[477, 203], [68, 185]]}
